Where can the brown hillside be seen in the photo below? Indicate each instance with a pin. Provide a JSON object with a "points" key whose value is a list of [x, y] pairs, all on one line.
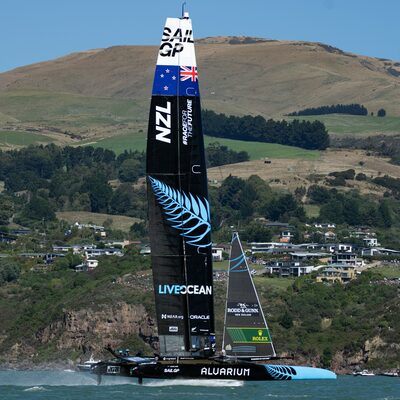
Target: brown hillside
{"points": [[249, 76], [291, 174]]}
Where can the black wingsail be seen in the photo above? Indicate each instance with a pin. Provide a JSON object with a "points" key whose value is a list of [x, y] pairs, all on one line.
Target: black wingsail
{"points": [[179, 214], [246, 333]]}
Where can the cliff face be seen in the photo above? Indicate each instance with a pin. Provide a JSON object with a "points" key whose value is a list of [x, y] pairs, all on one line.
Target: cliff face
{"points": [[85, 332], [374, 349], [63, 317]]}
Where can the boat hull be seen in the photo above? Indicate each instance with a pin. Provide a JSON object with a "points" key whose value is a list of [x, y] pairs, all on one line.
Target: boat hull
{"points": [[243, 371]]}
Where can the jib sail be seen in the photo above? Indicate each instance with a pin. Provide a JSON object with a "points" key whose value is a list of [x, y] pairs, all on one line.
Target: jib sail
{"points": [[179, 213], [246, 333]]}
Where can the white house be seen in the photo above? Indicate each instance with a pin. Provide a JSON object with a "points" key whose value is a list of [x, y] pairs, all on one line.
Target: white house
{"points": [[91, 264], [217, 253], [371, 242]]}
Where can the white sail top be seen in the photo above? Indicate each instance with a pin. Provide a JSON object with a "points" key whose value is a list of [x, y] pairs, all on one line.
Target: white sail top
{"points": [[177, 46]]}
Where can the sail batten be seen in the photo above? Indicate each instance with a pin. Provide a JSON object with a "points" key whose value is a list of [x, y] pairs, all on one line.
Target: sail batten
{"points": [[246, 333], [179, 219]]}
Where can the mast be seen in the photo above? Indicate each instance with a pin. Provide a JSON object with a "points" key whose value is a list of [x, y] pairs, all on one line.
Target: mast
{"points": [[246, 333], [179, 213]]}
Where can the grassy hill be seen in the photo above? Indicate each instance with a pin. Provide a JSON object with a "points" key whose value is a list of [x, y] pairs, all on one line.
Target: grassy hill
{"points": [[339, 124], [120, 222], [137, 141], [105, 92]]}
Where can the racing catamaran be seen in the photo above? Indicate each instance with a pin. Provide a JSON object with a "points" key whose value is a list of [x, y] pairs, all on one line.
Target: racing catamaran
{"points": [[180, 238]]}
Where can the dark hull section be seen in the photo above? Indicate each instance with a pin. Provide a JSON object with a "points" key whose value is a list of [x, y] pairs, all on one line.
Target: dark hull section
{"points": [[211, 369]]}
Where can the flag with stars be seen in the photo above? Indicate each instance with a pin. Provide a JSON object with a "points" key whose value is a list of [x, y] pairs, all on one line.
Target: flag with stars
{"points": [[174, 80]]}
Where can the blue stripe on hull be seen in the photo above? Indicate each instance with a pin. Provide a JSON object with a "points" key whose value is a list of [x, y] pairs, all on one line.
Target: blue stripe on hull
{"points": [[286, 372]]}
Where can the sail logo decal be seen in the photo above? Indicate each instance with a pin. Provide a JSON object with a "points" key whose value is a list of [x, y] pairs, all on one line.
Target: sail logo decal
{"points": [[187, 213], [249, 335], [172, 42], [184, 289], [243, 309], [281, 372], [171, 370], [163, 123], [222, 371]]}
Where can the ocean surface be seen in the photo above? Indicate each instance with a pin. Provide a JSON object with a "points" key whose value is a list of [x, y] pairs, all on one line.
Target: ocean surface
{"points": [[70, 385]]}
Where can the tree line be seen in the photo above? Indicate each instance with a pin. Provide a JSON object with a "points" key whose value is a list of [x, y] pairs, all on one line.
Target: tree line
{"points": [[306, 134], [351, 109], [40, 180]]}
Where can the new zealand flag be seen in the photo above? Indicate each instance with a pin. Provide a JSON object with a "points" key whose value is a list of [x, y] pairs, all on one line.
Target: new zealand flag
{"points": [[173, 80]]}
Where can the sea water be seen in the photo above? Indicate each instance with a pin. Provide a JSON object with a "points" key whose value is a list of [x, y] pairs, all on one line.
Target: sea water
{"points": [[71, 385]]}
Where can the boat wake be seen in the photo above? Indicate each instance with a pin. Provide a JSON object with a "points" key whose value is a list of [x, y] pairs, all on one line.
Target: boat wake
{"points": [[35, 389], [36, 380], [193, 382]]}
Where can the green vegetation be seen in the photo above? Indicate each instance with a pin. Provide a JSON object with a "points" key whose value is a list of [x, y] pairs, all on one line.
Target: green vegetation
{"points": [[256, 150], [353, 124], [44, 180], [119, 143], [39, 299], [116, 222], [352, 109], [18, 138], [307, 318], [337, 318], [304, 134], [9, 271], [388, 271], [265, 285], [71, 179]]}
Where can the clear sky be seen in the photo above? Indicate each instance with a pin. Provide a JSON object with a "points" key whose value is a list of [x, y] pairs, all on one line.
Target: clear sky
{"points": [[38, 30]]}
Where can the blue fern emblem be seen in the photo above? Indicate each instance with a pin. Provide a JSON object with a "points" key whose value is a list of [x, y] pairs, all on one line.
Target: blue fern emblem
{"points": [[187, 213], [281, 372]]}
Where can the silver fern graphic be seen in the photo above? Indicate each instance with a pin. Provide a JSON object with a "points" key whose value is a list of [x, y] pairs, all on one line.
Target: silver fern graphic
{"points": [[281, 372], [185, 212]]}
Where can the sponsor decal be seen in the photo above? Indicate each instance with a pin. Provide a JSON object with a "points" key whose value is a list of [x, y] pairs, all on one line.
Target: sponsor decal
{"points": [[113, 369], [163, 123], [187, 127], [171, 316], [172, 41], [249, 335], [221, 371], [184, 289], [171, 370], [173, 329], [199, 316], [243, 309]]}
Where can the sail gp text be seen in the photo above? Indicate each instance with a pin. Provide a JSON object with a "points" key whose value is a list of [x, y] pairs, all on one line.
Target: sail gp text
{"points": [[172, 41], [184, 289], [187, 126]]}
